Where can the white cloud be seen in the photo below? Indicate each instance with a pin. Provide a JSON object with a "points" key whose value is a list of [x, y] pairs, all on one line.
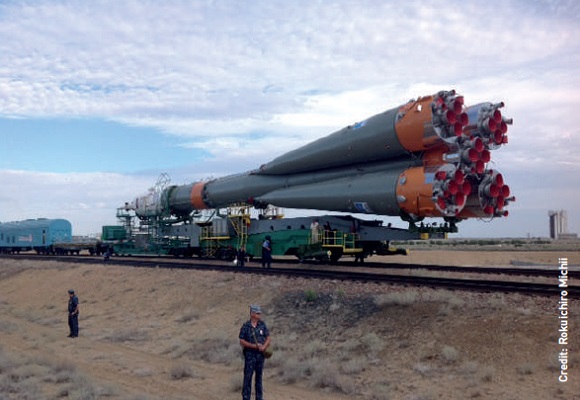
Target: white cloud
{"points": [[87, 200]]}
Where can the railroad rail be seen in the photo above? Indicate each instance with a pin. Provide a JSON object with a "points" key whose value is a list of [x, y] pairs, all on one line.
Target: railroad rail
{"points": [[482, 285], [524, 270]]}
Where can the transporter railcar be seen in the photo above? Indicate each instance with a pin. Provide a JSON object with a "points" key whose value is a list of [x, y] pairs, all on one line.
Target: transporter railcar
{"points": [[45, 236], [34, 234], [221, 233]]}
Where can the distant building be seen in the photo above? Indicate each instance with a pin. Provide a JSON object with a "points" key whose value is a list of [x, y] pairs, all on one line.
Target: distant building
{"points": [[559, 225]]}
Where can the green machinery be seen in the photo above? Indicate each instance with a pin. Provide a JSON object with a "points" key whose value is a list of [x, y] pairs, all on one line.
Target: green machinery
{"points": [[220, 233]]}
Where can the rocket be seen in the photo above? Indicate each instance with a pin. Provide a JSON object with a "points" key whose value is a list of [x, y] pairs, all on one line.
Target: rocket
{"points": [[426, 158]]}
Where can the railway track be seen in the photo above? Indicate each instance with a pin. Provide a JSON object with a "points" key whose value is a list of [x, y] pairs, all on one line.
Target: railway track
{"points": [[535, 271], [523, 271], [314, 271]]}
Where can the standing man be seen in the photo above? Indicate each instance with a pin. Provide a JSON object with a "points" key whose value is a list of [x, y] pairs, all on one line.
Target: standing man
{"points": [[73, 314], [107, 255], [254, 338], [267, 253], [241, 257], [314, 231]]}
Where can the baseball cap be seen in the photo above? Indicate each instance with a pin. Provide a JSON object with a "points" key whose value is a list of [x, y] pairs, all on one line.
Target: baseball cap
{"points": [[254, 308]]}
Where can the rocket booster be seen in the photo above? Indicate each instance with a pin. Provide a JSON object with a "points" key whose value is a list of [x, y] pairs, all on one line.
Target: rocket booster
{"points": [[426, 158]]}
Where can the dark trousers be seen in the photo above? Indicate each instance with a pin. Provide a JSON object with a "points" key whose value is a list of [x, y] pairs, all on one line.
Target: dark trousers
{"points": [[266, 259], [253, 363], [241, 260], [73, 324]]}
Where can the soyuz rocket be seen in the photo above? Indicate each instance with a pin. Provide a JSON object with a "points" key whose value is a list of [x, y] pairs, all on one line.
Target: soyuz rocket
{"points": [[426, 158]]}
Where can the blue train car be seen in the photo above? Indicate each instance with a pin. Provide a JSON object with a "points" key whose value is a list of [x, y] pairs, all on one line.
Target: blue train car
{"points": [[34, 234]]}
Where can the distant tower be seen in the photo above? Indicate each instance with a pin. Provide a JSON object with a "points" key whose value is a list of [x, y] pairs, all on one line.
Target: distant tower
{"points": [[558, 223]]}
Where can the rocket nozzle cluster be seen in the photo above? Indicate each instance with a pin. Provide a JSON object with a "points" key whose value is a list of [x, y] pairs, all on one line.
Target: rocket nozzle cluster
{"points": [[450, 189], [488, 123], [469, 133], [494, 194], [449, 119]]}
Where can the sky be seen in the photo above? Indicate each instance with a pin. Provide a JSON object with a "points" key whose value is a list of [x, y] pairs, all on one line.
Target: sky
{"points": [[97, 99]]}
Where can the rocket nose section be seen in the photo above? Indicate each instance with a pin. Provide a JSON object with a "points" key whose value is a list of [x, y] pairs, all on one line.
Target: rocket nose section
{"points": [[147, 205]]}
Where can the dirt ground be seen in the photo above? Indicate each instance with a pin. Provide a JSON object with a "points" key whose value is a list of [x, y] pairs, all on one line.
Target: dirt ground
{"points": [[173, 334]]}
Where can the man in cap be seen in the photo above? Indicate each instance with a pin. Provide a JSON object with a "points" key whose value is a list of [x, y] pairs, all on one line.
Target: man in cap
{"points": [[267, 252], [255, 339], [73, 314]]}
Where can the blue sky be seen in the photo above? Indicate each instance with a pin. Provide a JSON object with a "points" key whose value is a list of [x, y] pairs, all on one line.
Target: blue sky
{"points": [[99, 98], [87, 145]]}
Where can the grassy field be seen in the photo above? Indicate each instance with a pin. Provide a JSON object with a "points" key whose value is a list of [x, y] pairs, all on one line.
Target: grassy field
{"points": [[172, 334]]}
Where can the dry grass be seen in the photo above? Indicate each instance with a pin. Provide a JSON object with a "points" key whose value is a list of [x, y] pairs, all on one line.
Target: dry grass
{"points": [[332, 340], [423, 368], [181, 371], [353, 366], [327, 375], [335, 366], [373, 344], [313, 348], [527, 368], [449, 354], [191, 316], [380, 391], [23, 377], [406, 298], [128, 335], [487, 374], [8, 327]]}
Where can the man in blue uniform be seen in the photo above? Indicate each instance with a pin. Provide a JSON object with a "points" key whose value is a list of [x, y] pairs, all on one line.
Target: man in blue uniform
{"points": [[73, 314], [254, 338], [267, 252]]}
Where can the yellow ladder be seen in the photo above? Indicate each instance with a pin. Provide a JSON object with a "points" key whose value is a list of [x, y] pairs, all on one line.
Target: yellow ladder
{"points": [[240, 218]]}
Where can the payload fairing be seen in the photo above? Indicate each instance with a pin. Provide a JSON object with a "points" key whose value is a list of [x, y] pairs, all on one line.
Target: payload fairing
{"points": [[426, 158]]}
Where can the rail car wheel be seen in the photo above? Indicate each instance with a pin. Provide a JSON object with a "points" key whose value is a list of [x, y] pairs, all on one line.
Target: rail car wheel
{"points": [[334, 254], [225, 253]]}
